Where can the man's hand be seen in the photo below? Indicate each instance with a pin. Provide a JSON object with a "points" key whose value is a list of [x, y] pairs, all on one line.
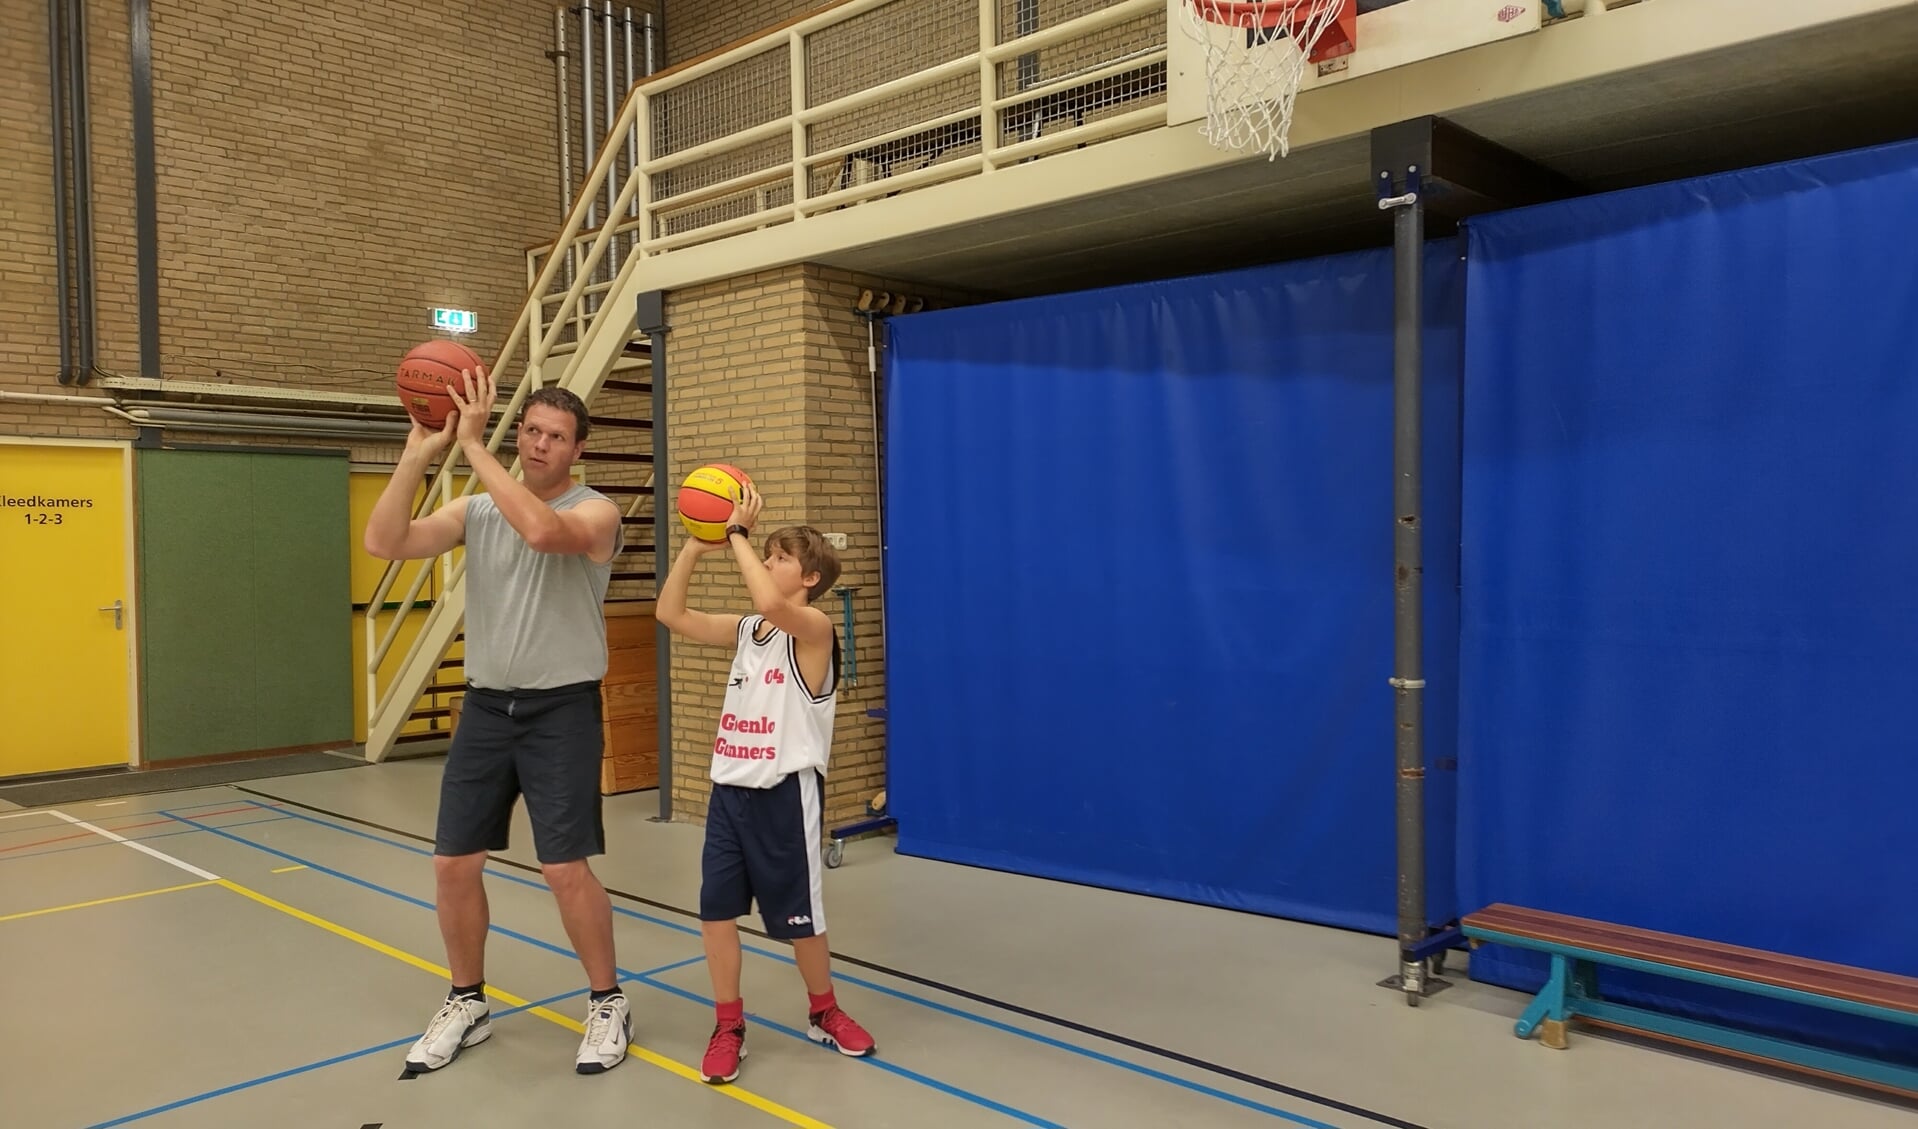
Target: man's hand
{"points": [[426, 446], [746, 510], [475, 407]]}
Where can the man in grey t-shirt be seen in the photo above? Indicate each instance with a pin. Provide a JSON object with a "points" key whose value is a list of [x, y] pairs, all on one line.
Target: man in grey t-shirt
{"points": [[539, 553]]}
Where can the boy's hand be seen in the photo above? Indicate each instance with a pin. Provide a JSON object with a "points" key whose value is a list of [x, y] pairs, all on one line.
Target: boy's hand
{"points": [[746, 510], [697, 548]]}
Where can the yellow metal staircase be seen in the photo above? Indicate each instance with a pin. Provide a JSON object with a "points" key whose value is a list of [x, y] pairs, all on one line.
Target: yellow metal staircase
{"points": [[578, 345]]}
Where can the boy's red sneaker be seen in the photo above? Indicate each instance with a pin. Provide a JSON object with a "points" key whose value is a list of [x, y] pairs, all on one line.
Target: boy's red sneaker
{"points": [[723, 1052], [837, 1030]]}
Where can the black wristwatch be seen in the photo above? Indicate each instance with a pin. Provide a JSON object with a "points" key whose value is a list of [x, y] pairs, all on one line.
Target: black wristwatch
{"points": [[739, 529]]}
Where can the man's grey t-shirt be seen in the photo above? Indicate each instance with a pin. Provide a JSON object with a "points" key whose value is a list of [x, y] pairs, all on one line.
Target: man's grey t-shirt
{"points": [[533, 620]]}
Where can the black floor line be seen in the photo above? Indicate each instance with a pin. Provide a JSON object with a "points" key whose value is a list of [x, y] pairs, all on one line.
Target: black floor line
{"points": [[121, 781], [1030, 1013]]}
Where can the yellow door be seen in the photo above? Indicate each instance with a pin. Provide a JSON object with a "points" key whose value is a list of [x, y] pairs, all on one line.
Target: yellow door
{"points": [[66, 602]]}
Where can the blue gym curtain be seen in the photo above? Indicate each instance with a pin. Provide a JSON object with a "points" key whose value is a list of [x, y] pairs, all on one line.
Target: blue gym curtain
{"points": [[1139, 586], [1690, 621]]}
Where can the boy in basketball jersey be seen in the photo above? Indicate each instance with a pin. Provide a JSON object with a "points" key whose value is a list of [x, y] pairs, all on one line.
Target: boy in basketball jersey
{"points": [[539, 552], [763, 823]]}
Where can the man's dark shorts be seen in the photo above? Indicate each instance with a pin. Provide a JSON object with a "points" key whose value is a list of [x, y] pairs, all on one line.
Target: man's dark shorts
{"points": [[543, 744]]}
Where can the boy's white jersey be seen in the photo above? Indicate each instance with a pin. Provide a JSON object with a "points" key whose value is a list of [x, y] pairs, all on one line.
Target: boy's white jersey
{"points": [[772, 724]]}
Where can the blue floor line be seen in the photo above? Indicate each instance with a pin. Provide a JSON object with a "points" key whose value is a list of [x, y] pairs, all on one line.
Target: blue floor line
{"points": [[876, 1063], [378, 889], [1034, 1036], [99, 842], [100, 821], [624, 974], [311, 1066]]}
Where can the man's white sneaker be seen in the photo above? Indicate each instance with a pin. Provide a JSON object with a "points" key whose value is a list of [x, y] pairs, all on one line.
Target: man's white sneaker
{"points": [[609, 1026], [460, 1022]]}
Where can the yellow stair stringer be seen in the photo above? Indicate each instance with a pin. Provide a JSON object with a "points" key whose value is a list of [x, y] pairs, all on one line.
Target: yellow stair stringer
{"points": [[607, 336], [442, 626]]}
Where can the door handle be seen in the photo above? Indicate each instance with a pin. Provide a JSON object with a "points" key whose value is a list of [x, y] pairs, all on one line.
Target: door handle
{"points": [[115, 607]]}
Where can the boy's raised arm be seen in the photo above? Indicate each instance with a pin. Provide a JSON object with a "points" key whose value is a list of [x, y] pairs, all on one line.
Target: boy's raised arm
{"points": [[703, 627]]}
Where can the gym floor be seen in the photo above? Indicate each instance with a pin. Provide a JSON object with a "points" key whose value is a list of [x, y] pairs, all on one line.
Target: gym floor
{"points": [[242, 955]]}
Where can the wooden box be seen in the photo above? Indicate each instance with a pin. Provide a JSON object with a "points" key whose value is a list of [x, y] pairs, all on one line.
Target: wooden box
{"points": [[630, 700]]}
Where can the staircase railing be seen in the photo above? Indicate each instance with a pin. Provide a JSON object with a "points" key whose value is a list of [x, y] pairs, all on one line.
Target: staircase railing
{"points": [[873, 98], [389, 707], [867, 99]]}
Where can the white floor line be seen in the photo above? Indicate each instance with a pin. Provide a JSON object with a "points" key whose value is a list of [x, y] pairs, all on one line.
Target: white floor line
{"points": [[20, 814], [141, 847]]}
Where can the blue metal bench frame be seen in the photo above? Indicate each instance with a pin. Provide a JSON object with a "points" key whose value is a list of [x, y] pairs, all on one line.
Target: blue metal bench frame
{"points": [[1571, 990]]}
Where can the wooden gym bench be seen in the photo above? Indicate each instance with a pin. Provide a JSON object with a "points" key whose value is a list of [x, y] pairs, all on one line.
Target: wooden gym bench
{"points": [[1578, 946]]}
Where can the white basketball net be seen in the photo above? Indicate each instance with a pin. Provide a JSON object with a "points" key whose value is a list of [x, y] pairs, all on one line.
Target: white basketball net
{"points": [[1249, 91]]}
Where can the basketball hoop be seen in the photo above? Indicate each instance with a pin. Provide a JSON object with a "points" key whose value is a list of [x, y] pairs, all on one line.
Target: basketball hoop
{"points": [[1251, 82]]}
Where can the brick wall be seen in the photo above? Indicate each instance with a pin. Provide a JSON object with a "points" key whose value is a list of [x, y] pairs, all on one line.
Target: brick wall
{"points": [[29, 325], [695, 27], [769, 372], [326, 175]]}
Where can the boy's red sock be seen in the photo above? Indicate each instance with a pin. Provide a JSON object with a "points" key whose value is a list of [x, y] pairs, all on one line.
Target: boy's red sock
{"points": [[817, 1004], [732, 1014]]}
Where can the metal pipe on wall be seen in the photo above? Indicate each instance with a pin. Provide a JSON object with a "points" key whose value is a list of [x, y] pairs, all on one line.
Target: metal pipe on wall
{"points": [[56, 75], [565, 117], [591, 152], [565, 111], [632, 133], [82, 186], [146, 207], [612, 169]]}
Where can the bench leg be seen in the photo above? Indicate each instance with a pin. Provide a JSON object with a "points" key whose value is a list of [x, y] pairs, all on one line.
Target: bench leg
{"points": [[1546, 1014], [1551, 1033]]}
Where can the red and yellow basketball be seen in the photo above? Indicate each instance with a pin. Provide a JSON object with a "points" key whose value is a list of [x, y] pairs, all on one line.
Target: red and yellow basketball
{"points": [[424, 374], [706, 500]]}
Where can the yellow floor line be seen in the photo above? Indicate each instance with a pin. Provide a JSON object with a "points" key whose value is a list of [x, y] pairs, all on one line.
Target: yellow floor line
{"points": [[765, 1105], [104, 901], [284, 869]]}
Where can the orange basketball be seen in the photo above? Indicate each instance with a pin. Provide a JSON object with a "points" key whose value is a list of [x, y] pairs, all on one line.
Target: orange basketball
{"points": [[706, 500], [424, 374]]}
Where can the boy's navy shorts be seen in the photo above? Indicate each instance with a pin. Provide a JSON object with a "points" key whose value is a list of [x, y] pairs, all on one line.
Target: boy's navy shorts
{"points": [[762, 844]]}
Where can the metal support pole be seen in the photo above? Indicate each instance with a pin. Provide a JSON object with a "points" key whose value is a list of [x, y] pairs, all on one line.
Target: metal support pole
{"points": [[1427, 166], [1408, 679], [651, 320]]}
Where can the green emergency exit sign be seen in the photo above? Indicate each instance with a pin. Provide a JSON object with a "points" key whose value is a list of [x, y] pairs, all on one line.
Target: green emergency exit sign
{"points": [[456, 321]]}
